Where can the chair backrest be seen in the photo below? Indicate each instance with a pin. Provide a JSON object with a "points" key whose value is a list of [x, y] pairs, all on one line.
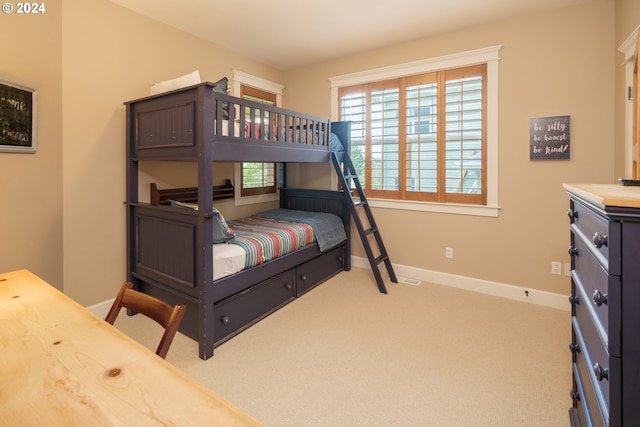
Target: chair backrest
{"points": [[167, 316]]}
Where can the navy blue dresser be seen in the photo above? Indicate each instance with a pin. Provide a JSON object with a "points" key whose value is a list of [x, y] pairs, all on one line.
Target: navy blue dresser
{"points": [[605, 304]]}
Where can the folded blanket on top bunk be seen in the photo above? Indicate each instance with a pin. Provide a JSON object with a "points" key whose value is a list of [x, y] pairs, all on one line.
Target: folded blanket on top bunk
{"points": [[334, 143]]}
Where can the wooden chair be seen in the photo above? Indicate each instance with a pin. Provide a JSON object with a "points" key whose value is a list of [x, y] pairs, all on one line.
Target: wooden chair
{"points": [[167, 316]]}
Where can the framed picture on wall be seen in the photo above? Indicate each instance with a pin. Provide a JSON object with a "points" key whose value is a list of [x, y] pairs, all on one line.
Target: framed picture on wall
{"points": [[550, 138], [17, 118]]}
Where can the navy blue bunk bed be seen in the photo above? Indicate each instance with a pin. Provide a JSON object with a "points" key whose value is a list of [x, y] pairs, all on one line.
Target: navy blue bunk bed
{"points": [[169, 248]]}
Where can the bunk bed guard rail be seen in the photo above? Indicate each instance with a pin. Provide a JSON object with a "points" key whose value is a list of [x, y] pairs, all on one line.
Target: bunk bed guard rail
{"points": [[167, 126]]}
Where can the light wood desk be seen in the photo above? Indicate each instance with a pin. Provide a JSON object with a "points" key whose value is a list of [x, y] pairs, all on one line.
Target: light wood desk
{"points": [[60, 365]]}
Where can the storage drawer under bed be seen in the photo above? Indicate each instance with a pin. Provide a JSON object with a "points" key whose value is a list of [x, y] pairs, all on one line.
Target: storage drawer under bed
{"points": [[317, 270], [239, 311]]}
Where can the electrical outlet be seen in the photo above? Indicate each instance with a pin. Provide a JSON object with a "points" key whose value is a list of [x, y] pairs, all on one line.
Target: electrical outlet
{"points": [[448, 252], [567, 269], [556, 268]]}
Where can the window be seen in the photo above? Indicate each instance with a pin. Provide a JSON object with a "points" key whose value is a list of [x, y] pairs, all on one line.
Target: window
{"points": [[424, 134], [256, 182], [420, 137], [258, 178]]}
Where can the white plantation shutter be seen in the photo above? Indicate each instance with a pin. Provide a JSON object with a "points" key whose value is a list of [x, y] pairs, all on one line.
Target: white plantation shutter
{"points": [[354, 108], [421, 137], [464, 132], [421, 110], [384, 137]]}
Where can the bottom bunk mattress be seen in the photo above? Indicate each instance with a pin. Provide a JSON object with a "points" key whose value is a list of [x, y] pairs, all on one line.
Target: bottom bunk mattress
{"points": [[271, 234]]}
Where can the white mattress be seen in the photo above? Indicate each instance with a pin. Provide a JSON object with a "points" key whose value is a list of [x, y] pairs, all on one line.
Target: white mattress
{"points": [[227, 259]]}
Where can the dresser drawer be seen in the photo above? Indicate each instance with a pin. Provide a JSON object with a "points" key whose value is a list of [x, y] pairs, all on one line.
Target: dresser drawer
{"points": [[239, 311], [600, 235], [599, 373], [317, 270], [593, 394], [597, 296], [582, 414]]}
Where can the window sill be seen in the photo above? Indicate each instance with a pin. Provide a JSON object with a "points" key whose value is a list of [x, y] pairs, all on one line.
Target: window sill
{"points": [[449, 208]]}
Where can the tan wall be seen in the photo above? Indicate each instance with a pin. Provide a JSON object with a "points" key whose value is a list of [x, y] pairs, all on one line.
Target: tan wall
{"points": [[31, 188], [627, 18], [555, 63]]}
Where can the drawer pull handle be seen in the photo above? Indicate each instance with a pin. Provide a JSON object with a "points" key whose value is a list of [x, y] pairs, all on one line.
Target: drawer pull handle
{"points": [[572, 214], [574, 348], [340, 259], [599, 240], [303, 277], [574, 299], [573, 251], [288, 285], [225, 320], [599, 298], [600, 372]]}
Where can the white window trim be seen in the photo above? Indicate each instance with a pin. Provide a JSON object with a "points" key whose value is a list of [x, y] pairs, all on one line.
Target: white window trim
{"points": [[490, 56], [239, 79], [628, 48]]}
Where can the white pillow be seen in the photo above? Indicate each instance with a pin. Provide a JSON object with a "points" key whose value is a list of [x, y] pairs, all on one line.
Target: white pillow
{"points": [[177, 83]]}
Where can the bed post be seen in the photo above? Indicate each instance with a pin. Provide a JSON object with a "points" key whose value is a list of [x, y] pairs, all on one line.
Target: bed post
{"points": [[131, 194], [204, 240]]}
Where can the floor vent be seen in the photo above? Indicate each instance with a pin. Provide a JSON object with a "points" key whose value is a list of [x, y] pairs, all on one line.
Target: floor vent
{"points": [[408, 281]]}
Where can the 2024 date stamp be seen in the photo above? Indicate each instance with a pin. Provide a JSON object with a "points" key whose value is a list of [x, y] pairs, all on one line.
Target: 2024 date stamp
{"points": [[33, 8]]}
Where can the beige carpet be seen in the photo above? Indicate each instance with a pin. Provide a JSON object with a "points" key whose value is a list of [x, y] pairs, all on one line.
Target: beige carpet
{"points": [[428, 355]]}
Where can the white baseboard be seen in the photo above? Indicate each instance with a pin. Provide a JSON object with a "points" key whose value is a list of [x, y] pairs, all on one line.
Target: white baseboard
{"points": [[518, 293]]}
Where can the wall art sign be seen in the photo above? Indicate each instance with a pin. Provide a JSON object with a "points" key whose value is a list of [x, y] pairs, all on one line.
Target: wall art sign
{"points": [[550, 138], [17, 118]]}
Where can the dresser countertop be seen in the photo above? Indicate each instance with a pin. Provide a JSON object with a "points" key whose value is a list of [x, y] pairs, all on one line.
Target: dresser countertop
{"points": [[607, 194]]}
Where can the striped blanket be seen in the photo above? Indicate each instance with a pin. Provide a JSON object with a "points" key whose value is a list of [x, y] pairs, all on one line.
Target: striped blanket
{"points": [[264, 239]]}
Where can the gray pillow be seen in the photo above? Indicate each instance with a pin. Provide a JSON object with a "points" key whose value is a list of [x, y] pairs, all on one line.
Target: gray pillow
{"points": [[222, 233], [222, 86]]}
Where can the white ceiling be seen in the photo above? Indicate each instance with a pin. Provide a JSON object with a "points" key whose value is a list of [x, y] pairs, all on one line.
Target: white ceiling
{"points": [[288, 34]]}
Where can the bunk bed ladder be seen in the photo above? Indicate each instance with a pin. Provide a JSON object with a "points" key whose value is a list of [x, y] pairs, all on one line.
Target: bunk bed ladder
{"points": [[358, 206]]}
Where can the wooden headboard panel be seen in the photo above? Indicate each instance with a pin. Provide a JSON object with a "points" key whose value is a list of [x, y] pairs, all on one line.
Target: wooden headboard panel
{"points": [[188, 194]]}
